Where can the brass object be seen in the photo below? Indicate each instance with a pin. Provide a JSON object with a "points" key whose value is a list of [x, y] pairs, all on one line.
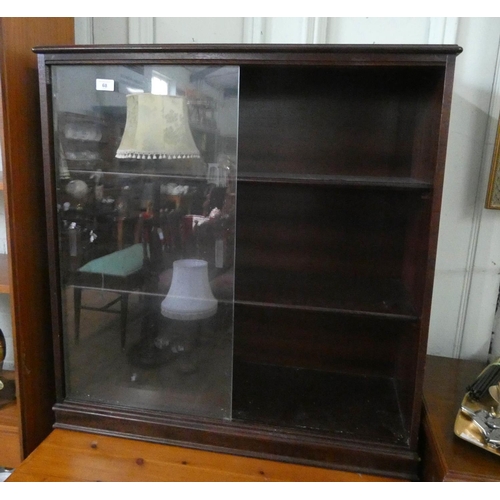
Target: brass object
{"points": [[468, 430], [494, 391], [493, 194]]}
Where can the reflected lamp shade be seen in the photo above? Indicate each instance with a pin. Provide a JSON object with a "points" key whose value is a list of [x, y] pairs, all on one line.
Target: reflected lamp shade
{"points": [[190, 296], [157, 127]]}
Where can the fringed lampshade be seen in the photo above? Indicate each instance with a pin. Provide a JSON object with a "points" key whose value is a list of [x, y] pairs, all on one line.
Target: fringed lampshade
{"points": [[157, 127]]}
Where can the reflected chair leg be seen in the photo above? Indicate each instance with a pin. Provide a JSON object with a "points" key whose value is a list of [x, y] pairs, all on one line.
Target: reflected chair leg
{"points": [[78, 303], [123, 317]]}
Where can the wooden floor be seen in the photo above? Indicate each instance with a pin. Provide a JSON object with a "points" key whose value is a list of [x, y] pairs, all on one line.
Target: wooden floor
{"points": [[79, 456]]}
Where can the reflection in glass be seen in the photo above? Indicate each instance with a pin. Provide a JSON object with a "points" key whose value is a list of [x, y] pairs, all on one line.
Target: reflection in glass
{"points": [[146, 171]]}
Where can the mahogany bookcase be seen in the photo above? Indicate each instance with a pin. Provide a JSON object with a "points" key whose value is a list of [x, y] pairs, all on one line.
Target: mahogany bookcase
{"points": [[340, 153]]}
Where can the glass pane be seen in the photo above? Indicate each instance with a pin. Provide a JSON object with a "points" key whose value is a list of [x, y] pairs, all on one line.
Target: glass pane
{"points": [[145, 178]]}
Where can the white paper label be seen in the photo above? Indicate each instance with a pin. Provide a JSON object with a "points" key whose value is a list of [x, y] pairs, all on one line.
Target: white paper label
{"points": [[106, 85]]}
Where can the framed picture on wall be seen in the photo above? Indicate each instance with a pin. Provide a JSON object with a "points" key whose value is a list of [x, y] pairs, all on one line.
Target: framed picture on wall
{"points": [[493, 194]]}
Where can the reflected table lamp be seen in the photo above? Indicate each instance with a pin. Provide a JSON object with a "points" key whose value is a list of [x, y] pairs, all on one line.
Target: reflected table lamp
{"points": [[190, 297], [157, 131], [189, 302]]}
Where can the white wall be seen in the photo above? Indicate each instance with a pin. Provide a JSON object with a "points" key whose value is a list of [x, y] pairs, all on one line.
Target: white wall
{"points": [[467, 268], [466, 283]]}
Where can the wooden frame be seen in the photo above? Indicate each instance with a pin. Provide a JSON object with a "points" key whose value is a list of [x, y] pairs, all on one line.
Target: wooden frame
{"points": [[493, 194], [23, 271], [343, 316]]}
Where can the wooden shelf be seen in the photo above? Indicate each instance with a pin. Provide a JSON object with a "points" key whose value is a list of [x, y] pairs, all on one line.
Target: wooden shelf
{"points": [[406, 183], [340, 405], [373, 297], [134, 174], [336, 180], [4, 274], [9, 416], [10, 455]]}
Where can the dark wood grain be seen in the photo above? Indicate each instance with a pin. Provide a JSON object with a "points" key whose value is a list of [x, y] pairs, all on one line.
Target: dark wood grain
{"points": [[341, 154], [268, 49], [4, 274], [25, 214]]}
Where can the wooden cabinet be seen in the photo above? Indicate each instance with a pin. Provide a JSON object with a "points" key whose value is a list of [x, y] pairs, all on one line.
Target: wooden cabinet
{"points": [[339, 152], [446, 457], [23, 271]]}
